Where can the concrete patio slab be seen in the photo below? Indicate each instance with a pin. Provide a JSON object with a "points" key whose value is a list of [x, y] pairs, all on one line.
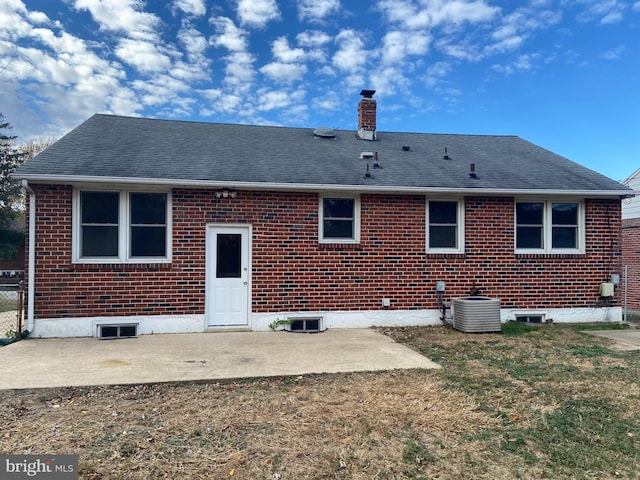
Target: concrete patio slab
{"points": [[626, 340], [45, 363]]}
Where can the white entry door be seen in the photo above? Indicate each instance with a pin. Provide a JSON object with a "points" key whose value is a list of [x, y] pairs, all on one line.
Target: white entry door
{"points": [[227, 291]]}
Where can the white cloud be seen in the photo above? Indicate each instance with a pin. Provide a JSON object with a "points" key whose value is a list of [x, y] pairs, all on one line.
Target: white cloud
{"points": [[519, 64], [329, 102], [161, 90], [121, 16], [13, 21], [284, 72], [315, 42], [287, 67], [283, 52], [239, 70], [351, 55], [611, 17], [461, 51], [275, 99], [194, 42], [191, 7], [436, 72], [507, 44], [257, 13], [389, 80], [37, 17], [229, 36], [313, 38], [636, 7], [515, 28], [397, 45], [221, 102], [143, 55], [614, 54], [602, 11], [419, 14], [317, 9]]}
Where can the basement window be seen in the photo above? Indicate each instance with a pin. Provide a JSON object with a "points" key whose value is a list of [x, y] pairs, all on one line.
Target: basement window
{"points": [[305, 325], [107, 332]]}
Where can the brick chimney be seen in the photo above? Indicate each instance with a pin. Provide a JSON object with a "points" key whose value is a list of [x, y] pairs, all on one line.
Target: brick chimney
{"points": [[367, 116]]}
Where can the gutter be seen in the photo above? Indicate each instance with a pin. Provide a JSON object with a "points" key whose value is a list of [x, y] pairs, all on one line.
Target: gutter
{"points": [[31, 262], [311, 187]]}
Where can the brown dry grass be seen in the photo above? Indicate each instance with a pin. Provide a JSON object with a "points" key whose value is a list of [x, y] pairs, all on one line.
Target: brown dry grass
{"points": [[502, 407]]}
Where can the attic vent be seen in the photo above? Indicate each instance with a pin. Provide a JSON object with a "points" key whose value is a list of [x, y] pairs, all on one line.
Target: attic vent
{"points": [[324, 132], [367, 155]]}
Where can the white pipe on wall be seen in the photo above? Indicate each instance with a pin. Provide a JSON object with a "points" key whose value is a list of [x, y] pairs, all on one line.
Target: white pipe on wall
{"points": [[31, 259]]}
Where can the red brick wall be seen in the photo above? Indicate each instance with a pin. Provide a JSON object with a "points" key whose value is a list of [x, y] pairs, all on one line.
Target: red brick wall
{"points": [[291, 271], [631, 259]]}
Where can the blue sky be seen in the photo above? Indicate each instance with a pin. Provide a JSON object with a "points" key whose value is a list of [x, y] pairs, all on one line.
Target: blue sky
{"points": [[564, 74]]}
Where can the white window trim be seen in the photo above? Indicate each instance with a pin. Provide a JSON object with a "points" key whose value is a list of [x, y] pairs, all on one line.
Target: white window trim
{"points": [[547, 227], [356, 219], [460, 219], [123, 228]]}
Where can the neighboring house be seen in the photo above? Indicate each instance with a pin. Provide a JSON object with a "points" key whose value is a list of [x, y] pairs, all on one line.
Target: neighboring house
{"points": [[167, 226], [631, 242]]}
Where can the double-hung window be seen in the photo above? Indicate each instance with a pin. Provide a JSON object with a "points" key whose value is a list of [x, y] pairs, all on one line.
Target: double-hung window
{"points": [[339, 219], [549, 227], [121, 226], [445, 226]]}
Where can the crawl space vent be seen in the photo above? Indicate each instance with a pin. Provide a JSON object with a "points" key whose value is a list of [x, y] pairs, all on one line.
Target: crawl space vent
{"points": [[305, 324], [110, 332]]}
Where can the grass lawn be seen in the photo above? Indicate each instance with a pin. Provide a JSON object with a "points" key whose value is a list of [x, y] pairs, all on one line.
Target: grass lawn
{"points": [[533, 403]]}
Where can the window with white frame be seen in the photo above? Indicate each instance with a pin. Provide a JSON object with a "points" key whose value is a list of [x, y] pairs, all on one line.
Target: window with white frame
{"points": [[445, 226], [549, 227], [339, 219], [121, 226]]}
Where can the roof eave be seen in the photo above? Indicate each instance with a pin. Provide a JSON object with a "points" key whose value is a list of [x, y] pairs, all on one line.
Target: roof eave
{"points": [[76, 180]]}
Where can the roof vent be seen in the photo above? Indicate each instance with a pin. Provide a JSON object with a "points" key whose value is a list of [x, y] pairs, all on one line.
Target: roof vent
{"points": [[325, 132], [406, 148], [367, 155], [446, 154]]}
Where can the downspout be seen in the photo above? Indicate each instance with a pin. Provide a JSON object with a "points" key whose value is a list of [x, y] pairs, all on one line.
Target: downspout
{"points": [[31, 262]]}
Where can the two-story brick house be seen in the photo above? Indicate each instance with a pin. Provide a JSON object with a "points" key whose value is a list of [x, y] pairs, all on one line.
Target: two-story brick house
{"points": [[149, 226]]}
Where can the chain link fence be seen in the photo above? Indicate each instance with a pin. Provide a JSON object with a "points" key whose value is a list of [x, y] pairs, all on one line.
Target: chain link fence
{"points": [[11, 306]]}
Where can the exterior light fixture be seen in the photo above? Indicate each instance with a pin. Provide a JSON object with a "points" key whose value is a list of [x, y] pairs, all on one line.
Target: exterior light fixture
{"points": [[225, 193]]}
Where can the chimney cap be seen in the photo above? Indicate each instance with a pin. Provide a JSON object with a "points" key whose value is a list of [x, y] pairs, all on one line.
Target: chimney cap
{"points": [[367, 93]]}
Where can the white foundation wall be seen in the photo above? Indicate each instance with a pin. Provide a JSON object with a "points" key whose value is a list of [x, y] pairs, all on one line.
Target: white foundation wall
{"points": [[157, 324], [88, 326]]}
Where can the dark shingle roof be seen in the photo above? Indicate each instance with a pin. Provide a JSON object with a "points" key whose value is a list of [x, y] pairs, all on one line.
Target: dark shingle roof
{"points": [[108, 148]]}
